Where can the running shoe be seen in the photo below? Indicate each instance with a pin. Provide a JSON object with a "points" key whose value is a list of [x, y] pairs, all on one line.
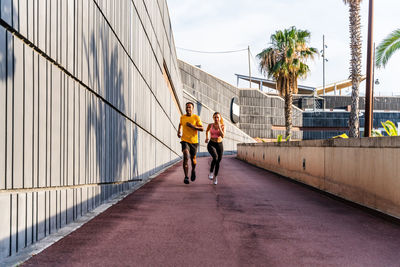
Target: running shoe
{"points": [[210, 176], [215, 180], [186, 180], [193, 176]]}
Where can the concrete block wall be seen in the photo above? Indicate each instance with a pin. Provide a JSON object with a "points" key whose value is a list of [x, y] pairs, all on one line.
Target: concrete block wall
{"points": [[259, 112], [85, 111], [233, 136], [208, 89]]}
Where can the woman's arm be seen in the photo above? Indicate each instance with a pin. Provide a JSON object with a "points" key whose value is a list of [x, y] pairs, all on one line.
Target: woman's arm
{"points": [[207, 131], [221, 129]]}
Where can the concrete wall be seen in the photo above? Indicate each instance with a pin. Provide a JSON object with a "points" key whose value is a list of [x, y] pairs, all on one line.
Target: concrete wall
{"points": [[85, 110], [365, 171], [208, 89], [233, 135]]}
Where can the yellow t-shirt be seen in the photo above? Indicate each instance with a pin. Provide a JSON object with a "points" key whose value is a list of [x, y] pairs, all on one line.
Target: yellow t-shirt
{"points": [[188, 134]]}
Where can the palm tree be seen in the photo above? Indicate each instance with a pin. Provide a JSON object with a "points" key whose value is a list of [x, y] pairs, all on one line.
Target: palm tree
{"points": [[387, 47], [355, 64], [284, 61]]}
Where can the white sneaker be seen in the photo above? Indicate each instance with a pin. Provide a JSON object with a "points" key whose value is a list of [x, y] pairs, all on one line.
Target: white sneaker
{"points": [[215, 180], [210, 176]]}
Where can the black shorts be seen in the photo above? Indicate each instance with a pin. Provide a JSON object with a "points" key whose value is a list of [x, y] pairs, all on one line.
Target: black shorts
{"points": [[191, 147]]}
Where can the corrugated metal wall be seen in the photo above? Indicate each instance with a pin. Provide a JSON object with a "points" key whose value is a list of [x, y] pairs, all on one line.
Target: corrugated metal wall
{"points": [[83, 108]]}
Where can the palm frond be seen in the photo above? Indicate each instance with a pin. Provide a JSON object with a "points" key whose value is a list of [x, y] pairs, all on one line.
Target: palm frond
{"points": [[387, 47]]}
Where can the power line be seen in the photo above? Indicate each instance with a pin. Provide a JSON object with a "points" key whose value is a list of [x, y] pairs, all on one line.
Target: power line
{"points": [[211, 52]]}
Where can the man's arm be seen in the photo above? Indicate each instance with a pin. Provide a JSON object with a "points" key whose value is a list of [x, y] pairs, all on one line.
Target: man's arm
{"points": [[198, 128], [179, 130]]}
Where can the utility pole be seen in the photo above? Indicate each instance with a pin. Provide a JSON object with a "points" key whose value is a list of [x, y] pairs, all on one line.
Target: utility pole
{"points": [[323, 65], [248, 52], [369, 95]]}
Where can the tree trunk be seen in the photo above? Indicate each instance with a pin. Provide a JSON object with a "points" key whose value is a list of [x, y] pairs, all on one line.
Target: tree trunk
{"points": [[355, 67], [288, 114]]}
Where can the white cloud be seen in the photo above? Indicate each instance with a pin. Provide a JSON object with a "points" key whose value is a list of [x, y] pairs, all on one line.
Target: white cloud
{"points": [[211, 25]]}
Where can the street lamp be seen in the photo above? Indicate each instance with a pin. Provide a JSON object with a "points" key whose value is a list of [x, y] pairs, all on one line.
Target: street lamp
{"points": [[369, 94], [324, 59]]}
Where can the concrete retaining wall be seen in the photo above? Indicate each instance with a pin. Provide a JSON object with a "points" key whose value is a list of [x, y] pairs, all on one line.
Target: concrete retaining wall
{"points": [[365, 171], [85, 109]]}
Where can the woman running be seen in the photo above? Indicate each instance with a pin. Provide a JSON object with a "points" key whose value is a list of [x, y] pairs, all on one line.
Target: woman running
{"points": [[215, 146]]}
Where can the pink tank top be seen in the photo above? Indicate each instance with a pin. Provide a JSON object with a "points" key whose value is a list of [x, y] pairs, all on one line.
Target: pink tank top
{"points": [[214, 132]]}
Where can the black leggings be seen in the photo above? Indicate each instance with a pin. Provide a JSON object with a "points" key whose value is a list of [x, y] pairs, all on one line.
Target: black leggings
{"points": [[216, 150]]}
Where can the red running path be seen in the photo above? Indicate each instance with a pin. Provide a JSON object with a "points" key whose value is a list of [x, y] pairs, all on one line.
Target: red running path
{"points": [[252, 217]]}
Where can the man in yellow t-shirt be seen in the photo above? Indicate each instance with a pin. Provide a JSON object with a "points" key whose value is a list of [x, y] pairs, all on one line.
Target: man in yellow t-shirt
{"points": [[187, 130]]}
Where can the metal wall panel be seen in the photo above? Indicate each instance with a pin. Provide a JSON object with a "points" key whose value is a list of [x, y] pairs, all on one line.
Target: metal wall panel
{"points": [[40, 214], [29, 219], [18, 115], [28, 118], [41, 24], [90, 43], [6, 11], [52, 211], [70, 132], [78, 39], [35, 115], [64, 25], [56, 130], [13, 223], [9, 111], [70, 44], [76, 134], [42, 123], [23, 17], [52, 28], [3, 109], [30, 17], [63, 208], [20, 223], [85, 42], [5, 206], [82, 136]]}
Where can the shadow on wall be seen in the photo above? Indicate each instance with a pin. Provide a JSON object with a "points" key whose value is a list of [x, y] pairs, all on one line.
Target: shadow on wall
{"points": [[109, 126], [199, 107], [7, 59]]}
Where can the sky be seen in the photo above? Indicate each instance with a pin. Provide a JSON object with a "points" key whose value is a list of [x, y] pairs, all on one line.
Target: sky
{"points": [[225, 25]]}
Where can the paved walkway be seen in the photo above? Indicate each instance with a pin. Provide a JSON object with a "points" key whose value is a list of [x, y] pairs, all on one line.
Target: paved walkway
{"points": [[252, 217]]}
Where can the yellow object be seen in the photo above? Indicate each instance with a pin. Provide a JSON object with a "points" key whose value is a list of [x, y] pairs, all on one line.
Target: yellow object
{"points": [[189, 134]]}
